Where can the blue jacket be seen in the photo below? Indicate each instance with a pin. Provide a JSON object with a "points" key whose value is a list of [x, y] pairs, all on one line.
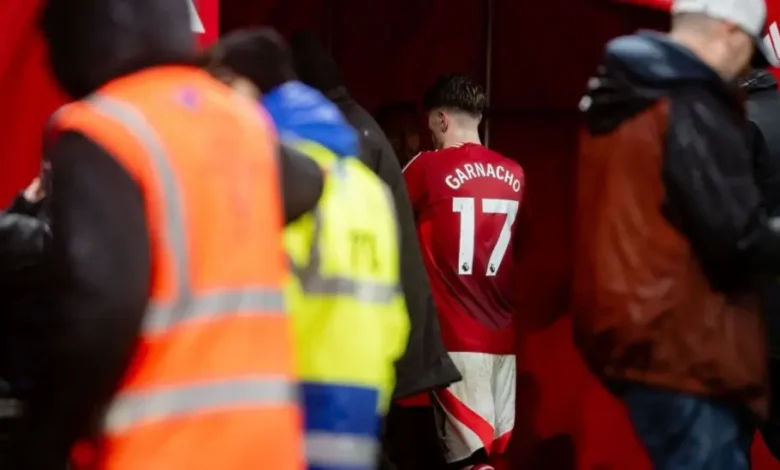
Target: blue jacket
{"points": [[303, 113]]}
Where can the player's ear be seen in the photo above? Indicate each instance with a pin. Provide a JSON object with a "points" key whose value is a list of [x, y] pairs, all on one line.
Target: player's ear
{"points": [[444, 121]]}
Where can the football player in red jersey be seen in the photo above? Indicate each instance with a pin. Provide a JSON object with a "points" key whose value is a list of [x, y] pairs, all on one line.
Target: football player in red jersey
{"points": [[466, 200]]}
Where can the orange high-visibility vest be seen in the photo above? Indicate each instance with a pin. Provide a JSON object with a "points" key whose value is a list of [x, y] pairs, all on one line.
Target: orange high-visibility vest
{"points": [[211, 385]]}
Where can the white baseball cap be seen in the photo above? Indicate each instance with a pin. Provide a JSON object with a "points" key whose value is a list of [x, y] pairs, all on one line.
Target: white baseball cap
{"points": [[750, 15]]}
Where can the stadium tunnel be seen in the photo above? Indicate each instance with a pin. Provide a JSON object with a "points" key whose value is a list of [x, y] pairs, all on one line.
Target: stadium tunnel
{"points": [[534, 57]]}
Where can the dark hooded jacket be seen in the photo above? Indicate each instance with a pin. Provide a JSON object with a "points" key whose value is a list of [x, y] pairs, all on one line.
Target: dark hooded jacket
{"points": [[763, 112], [25, 240], [670, 232], [25, 243], [426, 365], [100, 248]]}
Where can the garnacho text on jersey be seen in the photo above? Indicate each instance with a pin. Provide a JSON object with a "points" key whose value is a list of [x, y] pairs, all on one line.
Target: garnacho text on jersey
{"points": [[478, 170]]}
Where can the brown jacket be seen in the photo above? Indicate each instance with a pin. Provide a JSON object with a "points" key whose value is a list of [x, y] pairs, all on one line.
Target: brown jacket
{"points": [[668, 236]]}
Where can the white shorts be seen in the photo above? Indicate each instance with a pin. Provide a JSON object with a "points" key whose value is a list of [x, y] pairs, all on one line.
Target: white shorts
{"points": [[479, 411]]}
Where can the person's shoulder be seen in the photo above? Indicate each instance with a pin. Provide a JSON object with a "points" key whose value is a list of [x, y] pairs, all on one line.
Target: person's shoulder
{"points": [[418, 161], [715, 116], [428, 159]]}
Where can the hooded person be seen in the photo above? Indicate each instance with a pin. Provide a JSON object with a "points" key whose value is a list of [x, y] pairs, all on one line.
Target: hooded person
{"points": [[25, 240], [258, 64], [763, 106], [160, 272], [670, 241], [426, 365], [351, 323]]}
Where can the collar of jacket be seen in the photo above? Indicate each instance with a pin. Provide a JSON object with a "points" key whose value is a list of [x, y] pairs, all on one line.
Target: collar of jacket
{"points": [[302, 112]]}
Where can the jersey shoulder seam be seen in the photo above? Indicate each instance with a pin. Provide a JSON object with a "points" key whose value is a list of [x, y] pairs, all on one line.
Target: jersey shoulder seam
{"points": [[412, 160]]}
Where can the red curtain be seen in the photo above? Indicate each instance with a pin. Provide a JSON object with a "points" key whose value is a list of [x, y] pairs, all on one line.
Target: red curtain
{"points": [[28, 95]]}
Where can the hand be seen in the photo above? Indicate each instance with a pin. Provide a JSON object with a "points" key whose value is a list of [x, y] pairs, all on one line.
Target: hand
{"points": [[35, 192]]}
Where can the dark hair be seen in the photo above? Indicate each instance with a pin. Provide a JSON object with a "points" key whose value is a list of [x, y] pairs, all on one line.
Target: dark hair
{"points": [[314, 64], [260, 55], [456, 92]]}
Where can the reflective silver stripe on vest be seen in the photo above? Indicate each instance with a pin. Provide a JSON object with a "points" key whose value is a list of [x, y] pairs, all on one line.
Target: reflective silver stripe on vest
{"points": [[136, 409], [340, 450], [314, 282], [132, 408], [176, 238], [186, 306], [211, 306]]}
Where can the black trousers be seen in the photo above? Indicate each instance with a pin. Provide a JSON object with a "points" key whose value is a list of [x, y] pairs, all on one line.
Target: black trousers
{"points": [[411, 440]]}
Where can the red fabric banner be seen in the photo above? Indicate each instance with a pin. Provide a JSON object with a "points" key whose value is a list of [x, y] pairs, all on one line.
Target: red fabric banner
{"points": [[206, 15], [27, 93], [773, 33]]}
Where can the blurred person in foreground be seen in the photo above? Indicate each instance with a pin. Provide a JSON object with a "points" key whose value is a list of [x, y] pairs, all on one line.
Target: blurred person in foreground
{"points": [[425, 366], [466, 201], [671, 236], [25, 235], [173, 348], [350, 320], [25, 243], [763, 112]]}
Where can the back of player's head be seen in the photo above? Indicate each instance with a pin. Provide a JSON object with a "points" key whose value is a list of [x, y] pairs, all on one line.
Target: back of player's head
{"points": [[457, 93], [259, 55]]}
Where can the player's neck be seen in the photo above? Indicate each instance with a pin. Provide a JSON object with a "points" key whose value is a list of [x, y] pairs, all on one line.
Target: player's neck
{"points": [[463, 137]]}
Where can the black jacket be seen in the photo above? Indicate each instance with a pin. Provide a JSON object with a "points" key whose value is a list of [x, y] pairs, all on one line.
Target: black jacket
{"points": [[25, 242], [763, 112], [24, 238], [426, 365]]}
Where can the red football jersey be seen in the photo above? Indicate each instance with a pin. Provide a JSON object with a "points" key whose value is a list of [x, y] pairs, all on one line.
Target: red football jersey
{"points": [[466, 201]]}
